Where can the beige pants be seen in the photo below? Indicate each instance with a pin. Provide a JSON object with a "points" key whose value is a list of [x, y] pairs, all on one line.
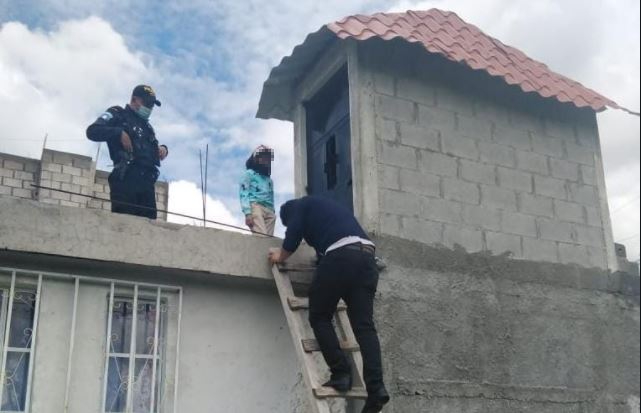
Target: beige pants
{"points": [[264, 219]]}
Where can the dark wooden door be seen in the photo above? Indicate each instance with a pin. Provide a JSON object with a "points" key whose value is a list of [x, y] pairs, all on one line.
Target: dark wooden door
{"points": [[329, 165]]}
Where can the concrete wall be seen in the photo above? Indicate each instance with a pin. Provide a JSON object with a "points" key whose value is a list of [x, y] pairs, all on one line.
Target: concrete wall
{"points": [[65, 171], [476, 333], [464, 160]]}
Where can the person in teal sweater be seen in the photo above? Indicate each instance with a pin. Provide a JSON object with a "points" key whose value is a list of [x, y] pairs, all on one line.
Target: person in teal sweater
{"points": [[257, 192]]}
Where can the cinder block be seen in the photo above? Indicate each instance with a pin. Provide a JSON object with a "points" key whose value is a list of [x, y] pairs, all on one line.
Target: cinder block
{"points": [[45, 175], [386, 130], [552, 187], [536, 205], [394, 108], [13, 165], [416, 90], [79, 180], [457, 145], [434, 118], [94, 204], [437, 164], [428, 232], [532, 162], [593, 216], [559, 129], [454, 100], [555, 231], [69, 203], [23, 176], [583, 194], [591, 236], [5, 190], [441, 210], [472, 127], [564, 169], [539, 250], [401, 203], [482, 218], [489, 110], [70, 187], [82, 163], [587, 134], [499, 243], [419, 137], [397, 155], [384, 83], [573, 254], [52, 167], [518, 224], [588, 175], [12, 183], [497, 154], [60, 195], [71, 170], [81, 200], [88, 173], [388, 177], [470, 239], [579, 154], [6, 172], [516, 138], [420, 183], [526, 121], [514, 179], [478, 172], [31, 166], [569, 211], [22, 193], [47, 156], [548, 146], [62, 158], [457, 190], [597, 257], [498, 198]]}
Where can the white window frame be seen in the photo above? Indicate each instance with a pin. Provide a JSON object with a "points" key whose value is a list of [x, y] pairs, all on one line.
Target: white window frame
{"points": [[113, 284]]}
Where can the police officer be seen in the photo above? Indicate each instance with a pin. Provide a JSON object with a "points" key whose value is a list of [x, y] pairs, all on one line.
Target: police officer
{"points": [[135, 152]]}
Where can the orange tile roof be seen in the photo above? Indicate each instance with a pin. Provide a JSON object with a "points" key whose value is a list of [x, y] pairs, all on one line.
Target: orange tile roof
{"points": [[446, 34]]}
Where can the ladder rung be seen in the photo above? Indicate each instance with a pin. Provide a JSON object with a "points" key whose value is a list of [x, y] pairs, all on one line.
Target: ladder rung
{"points": [[326, 392], [297, 268], [310, 345], [302, 303]]}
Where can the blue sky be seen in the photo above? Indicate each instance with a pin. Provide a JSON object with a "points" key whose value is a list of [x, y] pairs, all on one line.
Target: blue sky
{"points": [[63, 62]]}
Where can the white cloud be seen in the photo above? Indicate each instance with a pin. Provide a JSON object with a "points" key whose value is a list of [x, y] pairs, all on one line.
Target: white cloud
{"points": [[186, 198]]}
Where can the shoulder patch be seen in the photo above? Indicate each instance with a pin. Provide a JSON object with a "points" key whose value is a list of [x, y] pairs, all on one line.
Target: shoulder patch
{"points": [[106, 116]]}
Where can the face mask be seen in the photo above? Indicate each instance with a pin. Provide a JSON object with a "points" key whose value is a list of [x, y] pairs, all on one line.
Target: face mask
{"points": [[144, 112]]}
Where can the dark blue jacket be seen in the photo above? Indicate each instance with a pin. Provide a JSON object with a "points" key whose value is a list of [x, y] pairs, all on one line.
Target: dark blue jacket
{"points": [[320, 222]]}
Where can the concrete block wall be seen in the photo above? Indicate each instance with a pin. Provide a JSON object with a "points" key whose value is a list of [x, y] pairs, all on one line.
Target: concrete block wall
{"points": [[17, 174], [65, 171], [457, 169]]}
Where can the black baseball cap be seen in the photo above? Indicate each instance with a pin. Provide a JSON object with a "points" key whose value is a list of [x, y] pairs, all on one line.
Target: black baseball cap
{"points": [[147, 94]]}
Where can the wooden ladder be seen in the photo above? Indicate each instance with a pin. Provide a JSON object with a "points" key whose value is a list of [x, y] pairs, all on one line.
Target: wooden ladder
{"points": [[295, 309]]}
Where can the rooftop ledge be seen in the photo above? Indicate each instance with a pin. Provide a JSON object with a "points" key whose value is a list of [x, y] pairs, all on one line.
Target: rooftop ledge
{"points": [[28, 226]]}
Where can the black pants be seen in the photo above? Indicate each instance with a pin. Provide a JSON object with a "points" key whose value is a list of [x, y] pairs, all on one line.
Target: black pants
{"points": [[351, 275], [137, 186]]}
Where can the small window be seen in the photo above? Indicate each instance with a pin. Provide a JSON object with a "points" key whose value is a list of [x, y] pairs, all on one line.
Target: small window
{"points": [[142, 359], [18, 353]]}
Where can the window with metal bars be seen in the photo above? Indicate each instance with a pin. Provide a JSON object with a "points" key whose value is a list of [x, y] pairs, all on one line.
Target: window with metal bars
{"points": [[144, 320], [16, 329]]}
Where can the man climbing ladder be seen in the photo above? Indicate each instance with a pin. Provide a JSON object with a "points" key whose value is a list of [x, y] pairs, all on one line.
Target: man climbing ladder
{"points": [[347, 270]]}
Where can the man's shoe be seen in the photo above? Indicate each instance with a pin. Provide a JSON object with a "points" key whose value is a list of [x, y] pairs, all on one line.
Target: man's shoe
{"points": [[376, 401], [340, 382]]}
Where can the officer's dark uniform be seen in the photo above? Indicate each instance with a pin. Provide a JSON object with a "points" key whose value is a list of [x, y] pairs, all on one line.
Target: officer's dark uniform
{"points": [[134, 176]]}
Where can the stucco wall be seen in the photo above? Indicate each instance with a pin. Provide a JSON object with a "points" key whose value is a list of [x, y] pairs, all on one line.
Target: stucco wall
{"points": [[465, 160], [476, 333]]}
